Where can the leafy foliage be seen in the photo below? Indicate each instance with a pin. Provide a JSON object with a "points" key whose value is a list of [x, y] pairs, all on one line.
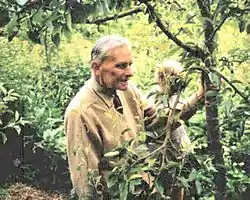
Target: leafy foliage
{"points": [[9, 116], [3, 193], [43, 20]]}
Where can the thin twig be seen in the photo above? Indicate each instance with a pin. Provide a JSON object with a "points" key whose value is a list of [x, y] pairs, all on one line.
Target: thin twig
{"points": [[147, 156], [168, 127], [225, 17], [223, 20], [46, 46], [114, 17]]}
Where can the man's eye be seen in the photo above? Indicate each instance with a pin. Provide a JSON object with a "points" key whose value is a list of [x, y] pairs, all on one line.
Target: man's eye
{"points": [[122, 65]]}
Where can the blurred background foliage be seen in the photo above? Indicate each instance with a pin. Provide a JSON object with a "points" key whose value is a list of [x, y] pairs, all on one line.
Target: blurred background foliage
{"points": [[38, 80]]}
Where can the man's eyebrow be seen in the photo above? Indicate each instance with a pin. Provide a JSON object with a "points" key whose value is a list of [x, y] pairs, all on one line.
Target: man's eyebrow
{"points": [[124, 62]]}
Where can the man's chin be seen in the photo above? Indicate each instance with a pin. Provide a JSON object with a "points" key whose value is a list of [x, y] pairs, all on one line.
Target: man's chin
{"points": [[123, 86]]}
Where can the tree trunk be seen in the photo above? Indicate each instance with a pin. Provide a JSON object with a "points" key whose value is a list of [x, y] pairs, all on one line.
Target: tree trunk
{"points": [[214, 144], [211, 104]]}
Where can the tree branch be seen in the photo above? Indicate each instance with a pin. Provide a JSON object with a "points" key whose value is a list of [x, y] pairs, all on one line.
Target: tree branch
{"points": [[217, 28], [232, 85], [194, 50], [114, 17], [225, 17], [204, 9]]}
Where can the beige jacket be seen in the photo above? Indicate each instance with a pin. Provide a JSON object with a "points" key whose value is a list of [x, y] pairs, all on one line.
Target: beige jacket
{"points": [[94, 127]]}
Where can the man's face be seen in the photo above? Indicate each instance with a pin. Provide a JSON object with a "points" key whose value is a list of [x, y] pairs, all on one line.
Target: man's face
{"points": [[115, 71]]}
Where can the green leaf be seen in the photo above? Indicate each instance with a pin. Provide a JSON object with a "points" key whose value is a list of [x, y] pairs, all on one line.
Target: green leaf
{"points": [[17, 116], [3, 89], [248, 29], [198, 187], [235, 81], [173, 51], [228, 107], [15, 94], [18, 129], [56, 28], [215, 78], [141, 149], [151, 18], [67, 33], [21, 2], [171, 164], [242, 25], [123, 188], [4, 138], [159, 186], [112, 180], [56, 39], [10, 91], [38, 18], [107, 6], [142, 136], [54, 3], [211, 93], [34, 36], [12, 24], [112, 154], [184, 182], [63, 156], [227, 89], [135, 176], [132, 186], [68, 20], [221, 166]]}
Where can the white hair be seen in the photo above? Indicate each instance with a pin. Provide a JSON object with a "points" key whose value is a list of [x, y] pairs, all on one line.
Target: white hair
{"points": [[105, 44]]}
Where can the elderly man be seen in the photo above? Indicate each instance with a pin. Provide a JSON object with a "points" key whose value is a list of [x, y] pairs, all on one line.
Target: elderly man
{"points": [[104, 107]]}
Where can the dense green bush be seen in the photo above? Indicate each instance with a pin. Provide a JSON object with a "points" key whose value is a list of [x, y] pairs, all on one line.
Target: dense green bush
{"points": [[10, 117], [48, 100], [44, 90]]}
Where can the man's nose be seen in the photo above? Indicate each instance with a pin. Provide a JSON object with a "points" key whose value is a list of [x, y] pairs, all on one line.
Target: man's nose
{"points": [[129, 71]]}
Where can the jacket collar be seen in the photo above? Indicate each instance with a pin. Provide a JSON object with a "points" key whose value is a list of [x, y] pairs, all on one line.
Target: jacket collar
{"points": [[105, 94]]}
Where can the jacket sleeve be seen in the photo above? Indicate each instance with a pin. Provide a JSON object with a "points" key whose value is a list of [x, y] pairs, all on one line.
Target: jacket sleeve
{"points": [[190, 106], [83, 151]]}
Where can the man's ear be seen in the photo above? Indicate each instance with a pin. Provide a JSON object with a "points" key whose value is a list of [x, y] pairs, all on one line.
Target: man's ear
{"points": [[96, 68]]}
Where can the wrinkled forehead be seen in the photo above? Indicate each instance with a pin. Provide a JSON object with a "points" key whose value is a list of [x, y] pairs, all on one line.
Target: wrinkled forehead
{"points": [[118, 52]]}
